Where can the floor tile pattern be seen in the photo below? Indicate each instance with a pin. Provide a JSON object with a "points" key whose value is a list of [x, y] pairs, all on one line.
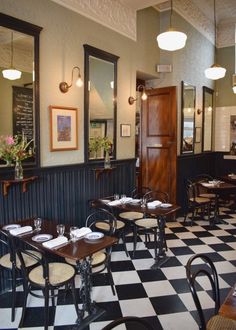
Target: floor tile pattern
{"points": [[160, 296]]}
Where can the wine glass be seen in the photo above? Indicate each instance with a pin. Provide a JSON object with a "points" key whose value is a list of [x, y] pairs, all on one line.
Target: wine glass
{"points": [[73, 234], [116, 197], [37, 223], [60, 229]]}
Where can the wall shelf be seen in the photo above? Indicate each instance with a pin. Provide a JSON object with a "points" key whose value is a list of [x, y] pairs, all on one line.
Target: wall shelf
{"points": [[100, 170], [24, 182]]}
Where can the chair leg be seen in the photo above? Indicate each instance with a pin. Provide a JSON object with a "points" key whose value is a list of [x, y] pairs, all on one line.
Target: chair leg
{"points": [[13, 301], [111, 278], [26, 291], [74, 296], [46, 308], [124, 243], [134, 238], [155, 241]]}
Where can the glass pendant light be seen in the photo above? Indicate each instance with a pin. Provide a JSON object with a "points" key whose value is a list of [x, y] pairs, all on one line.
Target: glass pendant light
{"points": [[11, 73], [215, 71], [171, 39]]}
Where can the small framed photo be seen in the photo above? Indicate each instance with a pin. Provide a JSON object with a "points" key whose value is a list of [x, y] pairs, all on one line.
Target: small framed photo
{"points": [[197, 134], [63, 128], [125, 130]]}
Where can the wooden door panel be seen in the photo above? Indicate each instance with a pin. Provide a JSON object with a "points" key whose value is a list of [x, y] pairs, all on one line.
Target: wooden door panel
{"points": [[158, 141]]}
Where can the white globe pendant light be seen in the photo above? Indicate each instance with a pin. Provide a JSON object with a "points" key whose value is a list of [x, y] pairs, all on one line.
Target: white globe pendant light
{"points": [[171, 40], [215, 71], [11, 73]]}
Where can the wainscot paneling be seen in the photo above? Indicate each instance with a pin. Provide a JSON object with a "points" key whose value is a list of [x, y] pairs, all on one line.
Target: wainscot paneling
{"points": [[62, 194]]}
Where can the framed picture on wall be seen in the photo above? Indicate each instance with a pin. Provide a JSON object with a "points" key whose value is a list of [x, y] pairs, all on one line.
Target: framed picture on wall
{"points": [[197, 134], [125, 130], [63, 128]]}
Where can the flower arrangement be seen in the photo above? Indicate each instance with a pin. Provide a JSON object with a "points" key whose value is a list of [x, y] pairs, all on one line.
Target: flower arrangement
{"points": [[99, 142], [15, 148]]}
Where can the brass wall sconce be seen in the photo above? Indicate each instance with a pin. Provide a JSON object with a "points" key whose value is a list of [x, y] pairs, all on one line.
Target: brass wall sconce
{"points": [[64, 87], [131, 99], [199, 111]]}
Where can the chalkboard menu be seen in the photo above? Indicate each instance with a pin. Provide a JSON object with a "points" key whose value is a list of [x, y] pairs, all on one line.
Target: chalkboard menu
{"points": [[23, 121]]}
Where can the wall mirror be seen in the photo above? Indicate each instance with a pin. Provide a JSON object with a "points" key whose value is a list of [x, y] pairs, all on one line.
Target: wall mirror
{"points": [[207, 118], [19, 98], [188, 97], [100, 101]]}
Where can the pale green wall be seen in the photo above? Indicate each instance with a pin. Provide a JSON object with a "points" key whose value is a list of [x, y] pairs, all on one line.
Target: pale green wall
{"points": [[225, 95]]}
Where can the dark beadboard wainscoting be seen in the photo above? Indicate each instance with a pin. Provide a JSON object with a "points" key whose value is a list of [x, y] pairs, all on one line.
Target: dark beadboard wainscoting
{"points": [[62, 193]]}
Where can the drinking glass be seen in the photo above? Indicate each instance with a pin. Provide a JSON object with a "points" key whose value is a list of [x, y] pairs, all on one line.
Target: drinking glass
{"points": [[60, 229], [72, 234], [143, 202], [116, 197], [37, 223], [122, 198]]}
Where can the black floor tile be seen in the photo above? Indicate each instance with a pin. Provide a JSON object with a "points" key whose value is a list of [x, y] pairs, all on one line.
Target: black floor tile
{"points": [[193, 241], [168, 304], [147, 275], [130, 291], [221, 247], [182, 250], [119, 266]]}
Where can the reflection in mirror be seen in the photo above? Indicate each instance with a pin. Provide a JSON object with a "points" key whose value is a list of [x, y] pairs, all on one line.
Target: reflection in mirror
{"points": [[188, 117], [207, 118], [19, 99], [100, 102]]}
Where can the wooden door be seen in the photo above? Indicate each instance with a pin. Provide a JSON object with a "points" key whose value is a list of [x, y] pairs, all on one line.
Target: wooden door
{"points": [[158, 141]]}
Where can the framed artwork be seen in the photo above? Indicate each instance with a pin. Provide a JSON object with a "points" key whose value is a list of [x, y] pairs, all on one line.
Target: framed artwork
{"points": [[125, 130], [63, 128], [197, 134]]}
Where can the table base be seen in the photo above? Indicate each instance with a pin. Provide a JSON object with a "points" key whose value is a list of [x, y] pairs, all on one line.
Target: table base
{"points": [[95, 314], [160, 261]]}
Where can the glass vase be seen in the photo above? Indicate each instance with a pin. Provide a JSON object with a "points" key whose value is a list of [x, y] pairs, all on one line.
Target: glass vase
{"points": [[18, 170], [107, 161]]}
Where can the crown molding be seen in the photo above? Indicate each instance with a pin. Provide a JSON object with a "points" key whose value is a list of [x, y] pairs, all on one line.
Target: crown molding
{"points": [[109, 13]]}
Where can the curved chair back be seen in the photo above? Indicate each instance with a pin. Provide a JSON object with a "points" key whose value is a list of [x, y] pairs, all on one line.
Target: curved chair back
{"points": [[157, 195], [103, 220], [209, 270], [135, 322], [139, 192]]}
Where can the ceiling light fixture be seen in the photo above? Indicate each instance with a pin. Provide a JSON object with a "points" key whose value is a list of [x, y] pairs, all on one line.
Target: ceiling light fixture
{"points": [[171, 39], [11, 73], [64, 87], [131, 99], [215, 71]]}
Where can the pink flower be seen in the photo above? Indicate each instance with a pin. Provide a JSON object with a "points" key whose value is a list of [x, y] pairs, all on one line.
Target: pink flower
{"points": [[10, 140]]}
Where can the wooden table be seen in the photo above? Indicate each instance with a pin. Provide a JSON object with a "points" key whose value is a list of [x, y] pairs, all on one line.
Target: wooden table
{"points": [[81, 252], [218, 189], [228, 308], [159, 212]]}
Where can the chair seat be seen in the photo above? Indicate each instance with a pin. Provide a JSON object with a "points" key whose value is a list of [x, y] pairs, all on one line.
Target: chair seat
{"points": [[209, 196], [58, 274], [97, 258], [131, 215], [147, 223], [200, 200], [6, 262], [219, 322], [106, 227]]}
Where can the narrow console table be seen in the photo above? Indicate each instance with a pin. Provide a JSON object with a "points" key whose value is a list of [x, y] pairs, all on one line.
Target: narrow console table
{"points": [[24, 182], [100, 170]]}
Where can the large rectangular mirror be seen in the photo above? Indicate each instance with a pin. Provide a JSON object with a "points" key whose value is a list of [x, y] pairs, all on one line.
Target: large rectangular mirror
{"points": [[188, 98], [19, 97], [207, 118], [100, 102]]}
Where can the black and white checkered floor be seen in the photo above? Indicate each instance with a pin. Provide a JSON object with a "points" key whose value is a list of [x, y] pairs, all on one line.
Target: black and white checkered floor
{"points": [[161, 296]]}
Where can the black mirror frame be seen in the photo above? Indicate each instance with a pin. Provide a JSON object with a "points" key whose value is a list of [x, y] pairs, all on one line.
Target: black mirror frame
{"points": [[34, 31], [182, 119], [101, 54], [210, 91]]}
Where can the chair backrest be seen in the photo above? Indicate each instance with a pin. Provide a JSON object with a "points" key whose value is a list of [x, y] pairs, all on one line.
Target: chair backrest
{"points": [[209, 270], [200, 179], [135, 322], [139, 192], [7, 246], [103, 220], [157, 195], [191, 190]]}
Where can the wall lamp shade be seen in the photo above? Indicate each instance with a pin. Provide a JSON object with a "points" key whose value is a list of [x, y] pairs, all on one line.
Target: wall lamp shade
{"points": [[11, 73], [131, 99], [64, 86], [215, 72], [234, 82], [171, 40]]}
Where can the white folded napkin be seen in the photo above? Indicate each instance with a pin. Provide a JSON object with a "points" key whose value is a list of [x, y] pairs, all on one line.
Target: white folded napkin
{"points": [[82, 232], [55, 242], [114, 203], [207, 184], [127, 199], [153, 204], [21, 230]]}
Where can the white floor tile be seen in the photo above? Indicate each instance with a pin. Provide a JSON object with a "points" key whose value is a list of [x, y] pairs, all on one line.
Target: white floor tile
{"points": [[141, 307], [185, 235], [228, 255], [219, 232], [210, 240], [204, 298], [141, 264], [127, 277], [159, 288], [224, 267], [65, 314], [201, 249], [175, 243], [103, 293], [196, 228], [206, 285], [174, 272], [177, 321]]}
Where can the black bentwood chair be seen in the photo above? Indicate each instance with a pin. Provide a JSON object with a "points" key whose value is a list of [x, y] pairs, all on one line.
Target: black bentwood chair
{"points": [[103, 221], [10, 261], [48, 276], [217, 322], [132, 322]]}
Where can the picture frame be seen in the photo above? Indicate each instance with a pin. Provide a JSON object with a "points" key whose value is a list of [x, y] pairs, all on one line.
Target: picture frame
{"points": [[125, 130], [63, 128], [197, 134]]}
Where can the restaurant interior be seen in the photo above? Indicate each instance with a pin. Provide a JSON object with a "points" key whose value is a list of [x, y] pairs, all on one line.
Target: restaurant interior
{"points": [[120, 151]]}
